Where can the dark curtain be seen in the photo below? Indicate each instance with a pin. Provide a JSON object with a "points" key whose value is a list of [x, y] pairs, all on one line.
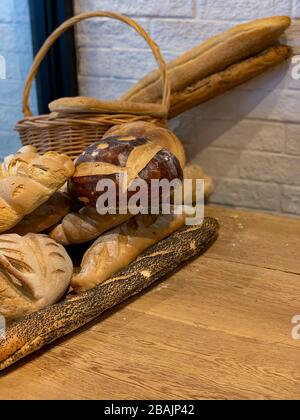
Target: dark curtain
{"points": [[57, 76]]}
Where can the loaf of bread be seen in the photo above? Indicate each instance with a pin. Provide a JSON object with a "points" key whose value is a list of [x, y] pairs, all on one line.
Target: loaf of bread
{"points": [[45, 216], [85, 105], [193, 173], [219, 83], [26, 184], [121, 246], [134, 157], [157, 135], [34, 272], [85, 226], [214, 55], [18, 163], [44, 327]]}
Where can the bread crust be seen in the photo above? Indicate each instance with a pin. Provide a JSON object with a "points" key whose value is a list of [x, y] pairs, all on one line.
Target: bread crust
{"points": [[84, 226], [27, 181], [235, 75], [157, 135], [34, 272], [212, 56], [45, 216], [115, 250]]}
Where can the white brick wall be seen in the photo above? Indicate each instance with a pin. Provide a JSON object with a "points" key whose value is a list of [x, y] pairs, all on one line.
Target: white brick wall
{"points": [[248, 139], [16, 48]]}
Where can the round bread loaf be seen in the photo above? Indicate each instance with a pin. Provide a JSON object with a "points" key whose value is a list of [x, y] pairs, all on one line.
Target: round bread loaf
{"points": [[157, 135], [118, 158]]}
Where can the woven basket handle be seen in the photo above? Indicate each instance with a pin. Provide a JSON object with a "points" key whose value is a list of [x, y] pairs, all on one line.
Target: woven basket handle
{"points": [[73, 21]]}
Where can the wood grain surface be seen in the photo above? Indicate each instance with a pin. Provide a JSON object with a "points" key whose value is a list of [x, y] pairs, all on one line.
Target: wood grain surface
{"points": [[220, 328]]}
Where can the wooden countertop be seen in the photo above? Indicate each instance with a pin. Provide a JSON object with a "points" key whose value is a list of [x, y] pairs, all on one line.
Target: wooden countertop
{"points": [[219, 328]]}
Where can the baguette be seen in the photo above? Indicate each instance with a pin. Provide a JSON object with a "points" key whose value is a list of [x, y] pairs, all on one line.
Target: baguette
{"points": [[212, 56], [115, 250], [26, 185], [84, 226], [44, 327], [45, 216], [237, 74], [83, 104]]}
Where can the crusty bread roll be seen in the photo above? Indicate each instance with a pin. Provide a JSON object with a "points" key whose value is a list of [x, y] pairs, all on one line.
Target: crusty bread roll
{"points": [[45, 216], [194, 172], [157, 135], [34, 272], [84, 226], [16, 164], [28, 183], [118, 248], [212, 56]]}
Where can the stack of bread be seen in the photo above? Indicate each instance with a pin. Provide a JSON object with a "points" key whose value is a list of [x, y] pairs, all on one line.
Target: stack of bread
{"points": [[53, 195], [48, 203]]}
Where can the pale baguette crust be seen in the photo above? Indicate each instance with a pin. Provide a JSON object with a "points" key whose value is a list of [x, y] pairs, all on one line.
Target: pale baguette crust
{"points": [[85, 226], [82, 104], [45, 216], [219, 83], [212, 56], [120, 247]]}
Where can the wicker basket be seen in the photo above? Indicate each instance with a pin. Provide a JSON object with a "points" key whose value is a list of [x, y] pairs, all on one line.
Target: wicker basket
{"points": [[72, 133]]}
